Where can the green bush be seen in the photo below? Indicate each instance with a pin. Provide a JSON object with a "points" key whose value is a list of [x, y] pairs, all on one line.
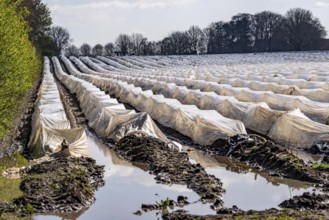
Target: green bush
{"points": [[20, 65], [321, 166]]}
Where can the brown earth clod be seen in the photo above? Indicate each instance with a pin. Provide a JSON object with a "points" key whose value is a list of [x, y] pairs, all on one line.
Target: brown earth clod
{"points": [[65, 184], [170, 166]]}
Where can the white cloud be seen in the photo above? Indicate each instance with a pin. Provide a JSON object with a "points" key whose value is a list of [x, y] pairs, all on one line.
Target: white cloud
{"points": [[140, 4], [101, 21], [322, 4]]}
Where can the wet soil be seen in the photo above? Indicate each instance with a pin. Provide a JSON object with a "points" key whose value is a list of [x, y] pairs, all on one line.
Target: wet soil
{"points": [[19, 137], [265, 154], [259, 153], [59, 185], [307, 201], [326, 159], [164, 205], [68, 184], [71, 105], [236, 213], [171, 167], [174, 135]]}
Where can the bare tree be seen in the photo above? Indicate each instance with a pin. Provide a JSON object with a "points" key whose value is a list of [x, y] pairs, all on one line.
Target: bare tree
{"points": [[266, 25], [194, 34], [138, 43], [166, 46], [152, 48], [202, 44], [242, 32], [72, 51], [303, 29], [179, 42], [109, 49], [123, 44], [60, 36], [220, 37], [85, 50], [98, 50], [211, 35]]}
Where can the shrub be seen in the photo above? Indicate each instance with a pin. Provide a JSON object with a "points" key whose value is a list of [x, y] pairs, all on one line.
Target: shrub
{"points": [[20, 65]]}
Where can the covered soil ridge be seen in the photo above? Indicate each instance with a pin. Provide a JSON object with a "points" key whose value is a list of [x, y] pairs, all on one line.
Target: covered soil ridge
{"points": [[62, 184], [260, 153], [265, 154]]}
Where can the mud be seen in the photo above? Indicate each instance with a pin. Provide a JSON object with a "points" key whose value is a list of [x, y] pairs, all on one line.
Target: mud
{"points": [[307, 201], [163, 208], [171, 167], [71, 105], [325, 159], [61, 184], [261, 154], [174, 135], [68, 184], [57, 186], [235, 213], [266, 155], [164, 204], [19, 137]]}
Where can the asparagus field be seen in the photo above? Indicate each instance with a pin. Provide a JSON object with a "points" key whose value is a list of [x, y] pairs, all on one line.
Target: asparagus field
{"points": [[177, 134]]}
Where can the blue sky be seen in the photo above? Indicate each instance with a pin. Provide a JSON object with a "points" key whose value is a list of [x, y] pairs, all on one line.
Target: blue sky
{"points": [[101, 21]]}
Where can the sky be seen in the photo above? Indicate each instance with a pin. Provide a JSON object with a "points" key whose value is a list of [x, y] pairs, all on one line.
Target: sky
{"points": [[101, 21]]}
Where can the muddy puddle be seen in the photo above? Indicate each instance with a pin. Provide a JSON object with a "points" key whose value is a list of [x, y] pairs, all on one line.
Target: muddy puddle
{"points": [[246, 188], [128, 186]]}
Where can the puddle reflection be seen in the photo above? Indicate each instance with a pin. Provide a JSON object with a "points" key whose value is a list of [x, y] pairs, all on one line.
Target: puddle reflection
{"points": [[246, 188], [126, 188]]}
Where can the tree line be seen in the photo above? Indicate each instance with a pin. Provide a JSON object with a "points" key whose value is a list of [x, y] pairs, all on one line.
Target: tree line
{"points": [[266, 31], [19, 63], [26, 35]]}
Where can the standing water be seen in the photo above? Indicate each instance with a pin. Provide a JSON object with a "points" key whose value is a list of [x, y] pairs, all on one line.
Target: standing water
{"points": [[127, 187], [247, 188]]}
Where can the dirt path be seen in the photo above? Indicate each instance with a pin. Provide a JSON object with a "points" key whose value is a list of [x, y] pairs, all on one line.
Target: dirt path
{"points": [[71, 105]]}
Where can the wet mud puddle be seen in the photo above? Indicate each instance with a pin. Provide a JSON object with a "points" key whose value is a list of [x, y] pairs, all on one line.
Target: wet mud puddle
{"points": [[127, 187], [246, 188]]}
